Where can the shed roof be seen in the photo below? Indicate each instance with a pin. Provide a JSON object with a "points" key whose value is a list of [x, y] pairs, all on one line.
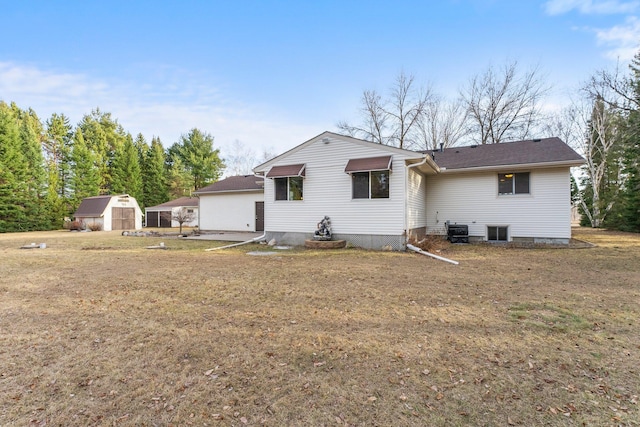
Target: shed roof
{"points": [[528, 152], [182, 201], [93, 206], [234, 184]]}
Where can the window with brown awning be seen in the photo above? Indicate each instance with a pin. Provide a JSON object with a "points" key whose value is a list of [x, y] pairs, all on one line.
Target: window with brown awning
{"points": [[286, 171], [369, 164]]}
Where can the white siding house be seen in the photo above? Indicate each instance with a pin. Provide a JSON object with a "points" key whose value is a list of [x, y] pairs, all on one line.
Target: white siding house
{"points": [[503, 192], [120, 212], [232, 204], [544, 214], [327, 190]]}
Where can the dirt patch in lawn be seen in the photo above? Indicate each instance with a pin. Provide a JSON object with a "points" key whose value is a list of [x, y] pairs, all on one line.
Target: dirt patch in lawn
{"points": [[128, 336]]}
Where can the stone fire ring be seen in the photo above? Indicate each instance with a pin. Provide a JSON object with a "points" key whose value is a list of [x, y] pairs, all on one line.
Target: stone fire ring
{"points": [[325, 244]]}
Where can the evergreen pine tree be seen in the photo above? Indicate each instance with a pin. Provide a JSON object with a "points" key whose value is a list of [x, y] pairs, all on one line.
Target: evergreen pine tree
{"points": [[180, 180], [631, 196], [126, 177], [85, 181], [154, 178], [31, 137], [630, 213], [103, 135], [57, 147], [13, 174], [199, 158]]}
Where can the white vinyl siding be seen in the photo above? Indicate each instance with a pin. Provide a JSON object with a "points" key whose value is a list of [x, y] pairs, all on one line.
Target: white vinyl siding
{"points": [[472, 199], [328, 191], [416, 200], [229, 211]]}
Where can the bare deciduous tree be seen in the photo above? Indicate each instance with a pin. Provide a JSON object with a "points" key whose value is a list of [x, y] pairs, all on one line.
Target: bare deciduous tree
{"points": [[503, 104], [181, 216], [591, 125], [393, 121], [614, 88], [243, 159], [443, 122]]}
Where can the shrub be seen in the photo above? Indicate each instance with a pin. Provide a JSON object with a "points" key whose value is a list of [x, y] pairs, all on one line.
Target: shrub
{"points": [[431, 243], [74, 225], [94, 226]]}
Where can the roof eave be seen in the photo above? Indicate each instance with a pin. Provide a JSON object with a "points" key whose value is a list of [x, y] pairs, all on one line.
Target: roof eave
{"points": [[542, 165], [428, 161], [252, 190]]}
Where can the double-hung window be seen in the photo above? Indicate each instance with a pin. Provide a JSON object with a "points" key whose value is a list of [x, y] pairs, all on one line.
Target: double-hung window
{"points": [[370, 177], [288, 181], [513, 183]]}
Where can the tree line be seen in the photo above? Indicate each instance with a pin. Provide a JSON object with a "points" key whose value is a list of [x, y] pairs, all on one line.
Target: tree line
{"points": [[46, 169]]}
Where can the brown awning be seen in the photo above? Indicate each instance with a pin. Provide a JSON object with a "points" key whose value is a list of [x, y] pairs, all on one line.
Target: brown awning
{"points": [[369, 164], [285, 171]]}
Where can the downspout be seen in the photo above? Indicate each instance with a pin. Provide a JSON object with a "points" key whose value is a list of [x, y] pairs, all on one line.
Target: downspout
{"points": [[441, 258], [406, 198], [255, 239], [406, 219]]}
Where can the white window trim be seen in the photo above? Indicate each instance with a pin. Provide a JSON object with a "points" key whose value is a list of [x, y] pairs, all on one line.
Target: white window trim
{"points": [[513, 185], [288, 178], [497, 233], [388, 171]]}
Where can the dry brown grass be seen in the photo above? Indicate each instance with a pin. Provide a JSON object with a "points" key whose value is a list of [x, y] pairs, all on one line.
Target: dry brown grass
{"points": [[121, 335]]}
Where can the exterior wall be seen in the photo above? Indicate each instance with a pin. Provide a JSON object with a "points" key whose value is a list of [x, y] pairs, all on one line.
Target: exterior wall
{"points": [[472, 199], [327, 191], [229, 211], [416, 203]]}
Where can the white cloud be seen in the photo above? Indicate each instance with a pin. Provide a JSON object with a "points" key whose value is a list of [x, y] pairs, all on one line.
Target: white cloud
{"points": [[587, 7], [623, 40], [166, 107]]}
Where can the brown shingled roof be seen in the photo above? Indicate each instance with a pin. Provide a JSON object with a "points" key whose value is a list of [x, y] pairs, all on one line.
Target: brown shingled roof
{"points": [[182, 201], [529, 152], [233, 184], [92, 206]]}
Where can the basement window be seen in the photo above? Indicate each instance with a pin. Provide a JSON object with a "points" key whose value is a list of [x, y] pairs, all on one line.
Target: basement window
{"points": [[513, 183], [497, 233]]}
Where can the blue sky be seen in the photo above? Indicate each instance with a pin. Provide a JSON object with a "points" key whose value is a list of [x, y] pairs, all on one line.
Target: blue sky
{"points": [[273, 74]]}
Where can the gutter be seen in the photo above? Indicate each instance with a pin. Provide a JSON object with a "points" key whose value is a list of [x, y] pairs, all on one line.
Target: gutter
{"points": [[572, 163]]}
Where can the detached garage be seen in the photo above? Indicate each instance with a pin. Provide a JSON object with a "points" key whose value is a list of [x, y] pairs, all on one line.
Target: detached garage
{"points": [[119, 212], [235, 203], [162, 215]]}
